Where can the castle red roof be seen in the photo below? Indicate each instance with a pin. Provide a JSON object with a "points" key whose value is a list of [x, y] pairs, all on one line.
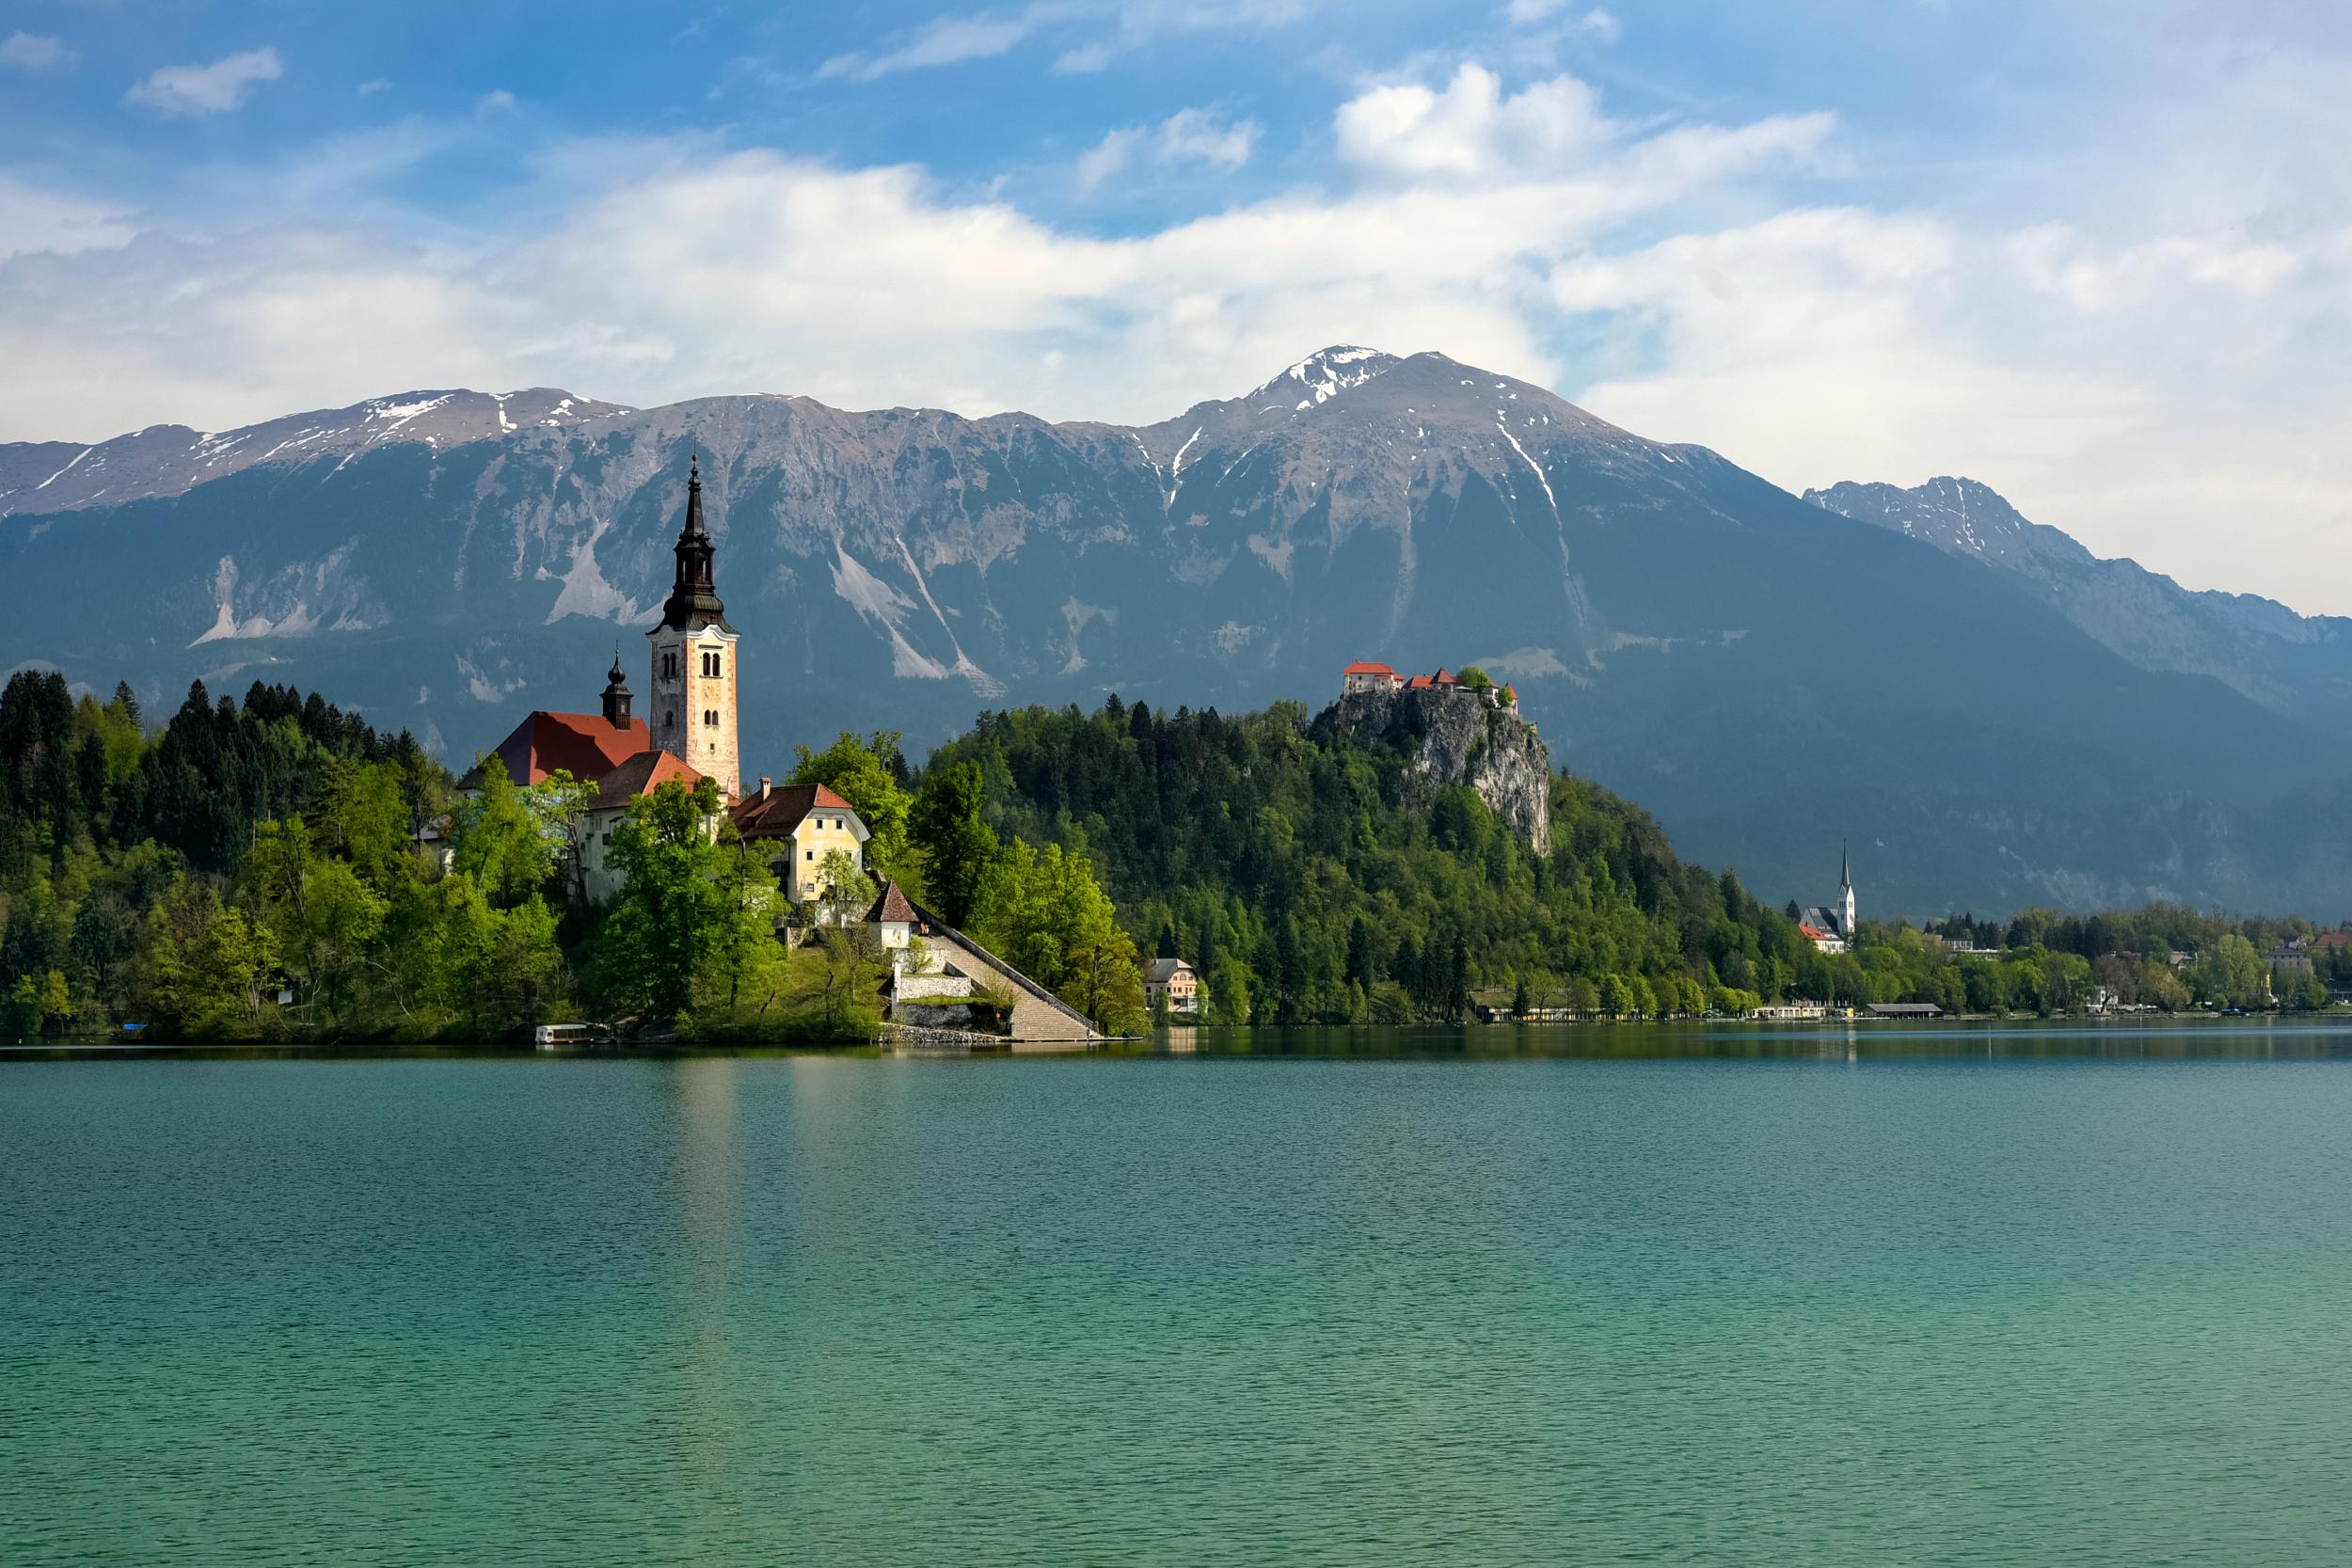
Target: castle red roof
{"points": [[582, 744], [1417, 682], [1367, 667]]}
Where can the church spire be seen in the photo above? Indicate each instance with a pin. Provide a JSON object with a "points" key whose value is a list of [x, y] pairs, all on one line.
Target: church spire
{"points": [[693, 596], [1845, 867]]}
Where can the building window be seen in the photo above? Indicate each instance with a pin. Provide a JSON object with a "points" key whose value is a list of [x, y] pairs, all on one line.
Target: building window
{"points": [[669, 720], [710, 666], [808, 854]]}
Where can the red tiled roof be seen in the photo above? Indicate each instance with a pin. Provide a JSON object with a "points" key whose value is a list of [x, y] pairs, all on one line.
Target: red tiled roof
{"points": [[1446, 679], [1420, 681], [1813, 935], [1366, 667], [2332, 939], [641, 775], [892, 906], [581, 744], [776, 813]]}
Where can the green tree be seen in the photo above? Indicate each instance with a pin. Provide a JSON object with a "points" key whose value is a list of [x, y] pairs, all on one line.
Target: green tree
{"points": [[849, 891], [832, 983], [865, 772], [513, 839], [1105, 982], [956, 846], [363, 818], [209, 968], [1229, 993], [678, 919]]}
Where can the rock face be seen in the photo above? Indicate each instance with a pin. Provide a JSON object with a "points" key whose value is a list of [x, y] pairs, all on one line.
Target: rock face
{"points": [[1455, 736]]}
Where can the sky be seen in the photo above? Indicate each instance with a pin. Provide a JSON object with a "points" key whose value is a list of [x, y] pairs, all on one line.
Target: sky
{"points": [[2096, 255]]}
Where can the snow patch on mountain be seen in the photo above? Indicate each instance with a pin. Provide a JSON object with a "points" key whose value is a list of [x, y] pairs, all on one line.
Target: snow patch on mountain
{"points": [[1325, 375]]}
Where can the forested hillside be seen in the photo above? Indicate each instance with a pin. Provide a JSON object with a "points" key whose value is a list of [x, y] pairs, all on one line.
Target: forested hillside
{"points": [[254, 870], [1284, 864], [1280, 858]]}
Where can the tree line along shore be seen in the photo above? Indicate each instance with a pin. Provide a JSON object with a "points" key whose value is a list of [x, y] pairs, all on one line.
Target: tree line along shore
{"points": [[277, 868]]}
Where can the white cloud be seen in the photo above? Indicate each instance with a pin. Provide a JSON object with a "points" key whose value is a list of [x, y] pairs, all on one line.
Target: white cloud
{"points": [[1595, 24], [2165, 371], [953, 39], [204, 90], [35, 221], [943, 42], [495, 101], [1082, 60], [647, 271], [1188, 136], [370, 88], [1470, 127], [28, 52]]}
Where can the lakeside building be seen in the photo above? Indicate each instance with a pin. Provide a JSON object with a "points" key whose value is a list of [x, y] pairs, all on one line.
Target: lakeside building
{"points": [[690, 736], [796, 827], [1175, 982], [1830, 929]]}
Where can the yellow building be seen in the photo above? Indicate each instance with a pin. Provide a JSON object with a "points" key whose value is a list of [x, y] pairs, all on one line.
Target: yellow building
{"points": [[795, 828]]}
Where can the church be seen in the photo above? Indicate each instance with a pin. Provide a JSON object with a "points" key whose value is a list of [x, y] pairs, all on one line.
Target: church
{"points": [[688, 734], [1832, 929]]}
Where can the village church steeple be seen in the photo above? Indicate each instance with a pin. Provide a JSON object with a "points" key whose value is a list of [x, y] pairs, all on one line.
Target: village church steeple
{"points": [[1845, 894], [694, 658]]}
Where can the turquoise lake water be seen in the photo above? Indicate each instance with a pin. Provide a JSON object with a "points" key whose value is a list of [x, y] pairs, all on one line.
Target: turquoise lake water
{"points": [[1958, 1299]]}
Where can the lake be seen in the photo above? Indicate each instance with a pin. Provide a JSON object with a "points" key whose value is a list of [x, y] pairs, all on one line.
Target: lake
{"points": [[1556, 1296]]}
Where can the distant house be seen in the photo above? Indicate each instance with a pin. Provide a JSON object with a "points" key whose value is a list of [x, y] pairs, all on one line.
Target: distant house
{"points": [[1902, 1009], [1365, 676], [1177, 983], [2292, 954], [796, 827], [592, 836]]}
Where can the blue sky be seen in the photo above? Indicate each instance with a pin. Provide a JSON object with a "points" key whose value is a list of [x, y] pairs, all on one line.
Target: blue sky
{"points": [[2098, 255]]}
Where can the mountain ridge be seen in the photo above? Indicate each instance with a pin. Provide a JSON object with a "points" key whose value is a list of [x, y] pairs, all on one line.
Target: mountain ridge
{"points": [[1762, 674], [2293, 664]]}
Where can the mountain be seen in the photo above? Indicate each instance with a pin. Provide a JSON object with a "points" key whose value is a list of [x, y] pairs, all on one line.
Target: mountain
{"points": [[2298, 665], [43, 477], [1766, 676]]}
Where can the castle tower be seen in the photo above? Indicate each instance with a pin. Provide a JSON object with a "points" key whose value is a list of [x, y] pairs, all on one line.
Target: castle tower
{"points": [[694, 659], [1845, 894]]}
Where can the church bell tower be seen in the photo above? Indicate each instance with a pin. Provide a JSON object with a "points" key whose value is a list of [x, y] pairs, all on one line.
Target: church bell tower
{"points": [[1845, 894], [693, 705]]}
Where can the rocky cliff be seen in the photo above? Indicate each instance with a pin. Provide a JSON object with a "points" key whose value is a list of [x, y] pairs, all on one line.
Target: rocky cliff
{"points": [[1452, 737]]}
